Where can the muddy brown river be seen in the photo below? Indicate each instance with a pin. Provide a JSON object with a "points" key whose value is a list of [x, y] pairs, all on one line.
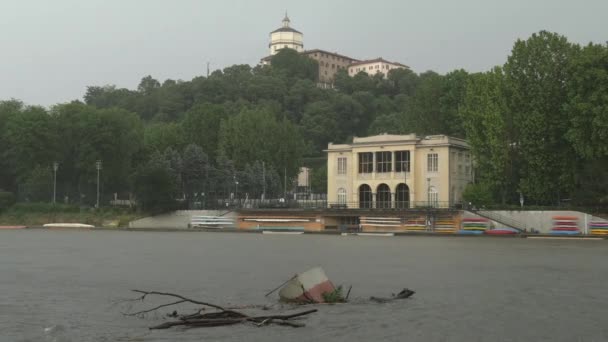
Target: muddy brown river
{"points": [[67, 285]]}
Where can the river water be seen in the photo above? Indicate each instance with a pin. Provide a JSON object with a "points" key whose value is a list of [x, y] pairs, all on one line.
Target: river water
{"points": [[467, 289]]}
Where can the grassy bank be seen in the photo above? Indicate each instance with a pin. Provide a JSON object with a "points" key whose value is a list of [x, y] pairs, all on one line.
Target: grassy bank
{"points": [[37, 214]]}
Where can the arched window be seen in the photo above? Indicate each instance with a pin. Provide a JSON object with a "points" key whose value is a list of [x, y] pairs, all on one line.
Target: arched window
{"points": [[402, 196], [342, 196], [365, 196], [433, 197], [383, 196]]}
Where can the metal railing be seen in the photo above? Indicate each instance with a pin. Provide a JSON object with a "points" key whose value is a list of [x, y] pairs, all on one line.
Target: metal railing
{"points": [[324, 204]]}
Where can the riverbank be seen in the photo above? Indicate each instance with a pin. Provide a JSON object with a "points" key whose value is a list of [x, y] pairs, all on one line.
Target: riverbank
{"points": [[332, 233], [36, 215]]}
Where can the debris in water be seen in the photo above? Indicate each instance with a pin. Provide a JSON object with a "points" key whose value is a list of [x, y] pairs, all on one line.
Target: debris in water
{"points": [[308, 287]]}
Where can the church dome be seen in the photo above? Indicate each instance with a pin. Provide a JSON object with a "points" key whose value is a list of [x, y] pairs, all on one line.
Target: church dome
{"points": [[286, 37]]}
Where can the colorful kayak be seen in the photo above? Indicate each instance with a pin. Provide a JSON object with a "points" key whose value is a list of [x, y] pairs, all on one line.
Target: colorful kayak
{"points": [[307, 287], [12, 227], [565, 232], [470, 232]]}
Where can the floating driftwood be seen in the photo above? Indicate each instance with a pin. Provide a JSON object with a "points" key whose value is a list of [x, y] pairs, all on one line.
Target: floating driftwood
{"points": [[310, 287], [405, 293], [220, 317]]}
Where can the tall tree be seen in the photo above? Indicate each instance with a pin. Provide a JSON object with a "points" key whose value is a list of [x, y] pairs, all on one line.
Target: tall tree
{"points": [[485, 119], [537, 75]]}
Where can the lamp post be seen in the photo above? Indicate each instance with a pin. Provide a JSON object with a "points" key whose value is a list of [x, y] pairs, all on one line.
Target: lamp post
{"points": [[55, 167], [236, 187], [98, 167]]}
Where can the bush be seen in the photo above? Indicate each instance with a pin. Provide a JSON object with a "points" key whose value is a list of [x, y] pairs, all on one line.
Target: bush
{"points": [[7, 199], [45, 208], [478, 194]]}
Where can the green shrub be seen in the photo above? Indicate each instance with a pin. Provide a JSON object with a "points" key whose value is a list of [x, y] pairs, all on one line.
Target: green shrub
{"points": [[44, 208], [478, 194]]}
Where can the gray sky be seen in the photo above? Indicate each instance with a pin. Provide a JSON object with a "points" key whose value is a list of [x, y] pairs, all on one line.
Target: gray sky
{"points": [[50, 50]]}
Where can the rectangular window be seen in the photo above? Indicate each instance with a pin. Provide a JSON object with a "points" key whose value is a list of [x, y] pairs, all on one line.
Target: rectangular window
{"points": [[384, 161], [432, 162], [366, 162], [341, 166], [402, 161]]}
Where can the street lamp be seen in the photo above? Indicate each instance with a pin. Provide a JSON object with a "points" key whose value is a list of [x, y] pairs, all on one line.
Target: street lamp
{"points": [[55, 167], [98, 167], [236, 187]]}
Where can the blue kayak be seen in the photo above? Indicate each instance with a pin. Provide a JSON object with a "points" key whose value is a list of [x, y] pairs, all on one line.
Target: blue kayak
{"points": [[470, 232]]}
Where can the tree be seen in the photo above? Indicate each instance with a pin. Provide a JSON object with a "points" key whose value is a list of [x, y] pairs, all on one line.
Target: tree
{"points": [[257, 135], [486, 121], [587, 105], [155, 186], [7, 172], [294, 65], [536, 75], [424, 115], [195, 171], [201, 126], [32, 141], [160, 136]]}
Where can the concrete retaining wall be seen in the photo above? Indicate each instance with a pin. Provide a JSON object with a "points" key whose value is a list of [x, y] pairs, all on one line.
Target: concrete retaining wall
{"points": [[176, 220], [543, 220]]}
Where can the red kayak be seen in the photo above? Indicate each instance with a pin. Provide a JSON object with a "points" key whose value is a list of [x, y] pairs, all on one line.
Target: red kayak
{"points": [[565, 229], [501, 232]]}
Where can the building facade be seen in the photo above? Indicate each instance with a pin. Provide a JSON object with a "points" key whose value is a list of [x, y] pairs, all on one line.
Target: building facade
{"points": [[398, 171], [329, 64], [374, 66], [286, 37]]}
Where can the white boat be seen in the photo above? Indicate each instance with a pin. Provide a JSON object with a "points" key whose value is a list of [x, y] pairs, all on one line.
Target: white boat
{"points": [[375, 234], [306, 287], [272, 232], [67, 225], [215, 222]]}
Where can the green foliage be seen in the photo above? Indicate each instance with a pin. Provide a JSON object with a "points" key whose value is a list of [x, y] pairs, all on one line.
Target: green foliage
{"points": [[488, 126], [257, 135], [587, 105], [335, 296], [480, 194], [294, 65], [7, 199], [38, 185], [155, 186], [318, 179], [536, 125], [536, 76]]}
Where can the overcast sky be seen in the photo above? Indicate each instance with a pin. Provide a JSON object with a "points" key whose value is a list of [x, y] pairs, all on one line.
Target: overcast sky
{"points": [[51, 50]]}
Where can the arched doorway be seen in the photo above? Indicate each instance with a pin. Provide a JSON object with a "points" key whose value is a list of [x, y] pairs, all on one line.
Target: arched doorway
{"points": [[383, 196], [402, 196], [365, 196]]}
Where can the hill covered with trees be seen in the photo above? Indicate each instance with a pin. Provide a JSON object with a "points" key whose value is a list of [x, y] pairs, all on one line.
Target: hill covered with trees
{"points": [[537, 125]]}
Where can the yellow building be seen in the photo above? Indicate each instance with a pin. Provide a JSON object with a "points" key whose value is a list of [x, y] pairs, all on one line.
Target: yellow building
{"points": [[398, 171], [286, 37]]}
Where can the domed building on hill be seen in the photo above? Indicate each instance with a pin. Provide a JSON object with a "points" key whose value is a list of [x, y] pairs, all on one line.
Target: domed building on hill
{"points": [[330, 63], [286, 37]]}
